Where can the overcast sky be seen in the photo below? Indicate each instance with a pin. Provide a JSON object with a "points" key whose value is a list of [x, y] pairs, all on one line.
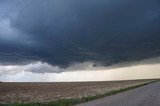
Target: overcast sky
{"points": [[52, 36]]}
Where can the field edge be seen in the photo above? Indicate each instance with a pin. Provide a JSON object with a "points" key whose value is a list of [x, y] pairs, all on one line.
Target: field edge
{"points": [[74, 101]]}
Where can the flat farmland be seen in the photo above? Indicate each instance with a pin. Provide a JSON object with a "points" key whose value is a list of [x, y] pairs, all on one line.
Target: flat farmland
{"points": [[26, 92]]}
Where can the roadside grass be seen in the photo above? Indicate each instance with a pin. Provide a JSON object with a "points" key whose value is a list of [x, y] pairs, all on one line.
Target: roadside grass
{"points": [[71, 102]]}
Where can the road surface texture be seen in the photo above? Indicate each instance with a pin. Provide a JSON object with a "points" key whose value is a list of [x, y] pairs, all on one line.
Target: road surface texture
{"points": [[148, 95]]}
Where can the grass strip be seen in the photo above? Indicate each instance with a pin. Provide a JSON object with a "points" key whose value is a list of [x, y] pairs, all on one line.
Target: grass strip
{"points": [[71, 102]]}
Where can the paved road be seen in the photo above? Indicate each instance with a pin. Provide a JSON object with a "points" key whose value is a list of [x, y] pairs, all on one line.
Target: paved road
{"points": [[148, 95]]}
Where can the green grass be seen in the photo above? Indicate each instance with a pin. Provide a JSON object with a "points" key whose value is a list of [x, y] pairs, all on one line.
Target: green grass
{"points": [[71, 102]]}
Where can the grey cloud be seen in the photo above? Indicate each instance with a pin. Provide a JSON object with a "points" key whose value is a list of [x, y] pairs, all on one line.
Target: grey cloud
{"points": [[45, 68], [36, 67], [62, 32]]}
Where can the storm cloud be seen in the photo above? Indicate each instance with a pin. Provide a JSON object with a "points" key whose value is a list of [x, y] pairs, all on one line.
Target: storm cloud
{"points": [[64, 32]]}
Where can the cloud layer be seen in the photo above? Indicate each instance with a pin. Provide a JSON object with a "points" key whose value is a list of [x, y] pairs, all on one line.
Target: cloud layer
{"points": [[43, 72], [61, 33]]}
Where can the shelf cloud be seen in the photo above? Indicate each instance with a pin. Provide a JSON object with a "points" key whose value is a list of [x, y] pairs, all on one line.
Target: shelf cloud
{"points": [[56, 36]]}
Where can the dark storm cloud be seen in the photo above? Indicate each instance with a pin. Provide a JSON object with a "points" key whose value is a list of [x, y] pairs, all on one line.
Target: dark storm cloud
{"points": [[62, 32]]}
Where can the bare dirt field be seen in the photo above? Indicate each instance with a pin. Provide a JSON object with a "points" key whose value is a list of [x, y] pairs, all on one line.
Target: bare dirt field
{"points": [[11, 92]]}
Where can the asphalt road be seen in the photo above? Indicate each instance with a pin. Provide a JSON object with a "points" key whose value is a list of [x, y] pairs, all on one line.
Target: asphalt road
{"points": [[148, 95]]}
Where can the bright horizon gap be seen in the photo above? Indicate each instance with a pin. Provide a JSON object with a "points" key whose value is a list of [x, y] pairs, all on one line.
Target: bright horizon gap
{"points": [[142, 71]]}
